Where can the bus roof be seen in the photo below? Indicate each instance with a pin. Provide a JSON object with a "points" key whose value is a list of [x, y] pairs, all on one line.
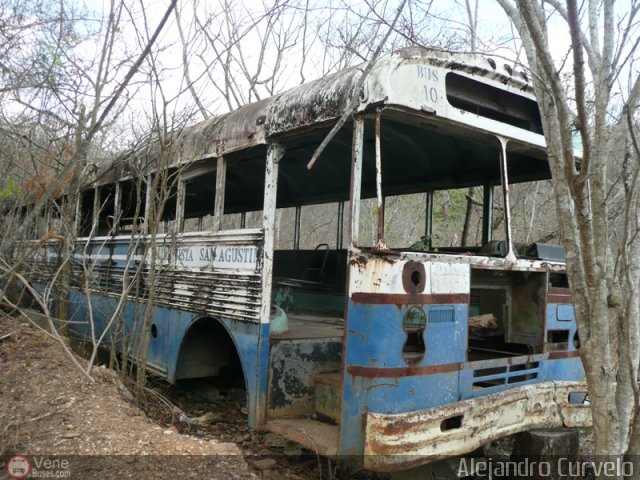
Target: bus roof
{"points": [[445, 87]]}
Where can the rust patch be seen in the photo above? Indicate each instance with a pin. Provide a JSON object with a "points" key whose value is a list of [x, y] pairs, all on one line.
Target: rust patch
{"points": [[360, 261], [377, 372], [558, 355], [414, 277], [380, 372], [409, 298], [559, 295]]}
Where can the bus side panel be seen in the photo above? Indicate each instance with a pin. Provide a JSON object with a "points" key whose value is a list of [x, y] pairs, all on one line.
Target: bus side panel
{"points": [[246, 340], [379, 379], [201, 277], [171, 328]]}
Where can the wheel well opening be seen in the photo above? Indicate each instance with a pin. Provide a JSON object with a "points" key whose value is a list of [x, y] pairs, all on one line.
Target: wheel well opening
{"points": [[208, 350]]}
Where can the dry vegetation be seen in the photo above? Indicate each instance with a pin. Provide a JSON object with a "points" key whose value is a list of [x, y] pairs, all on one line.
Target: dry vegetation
{"points": [[46, 408]]}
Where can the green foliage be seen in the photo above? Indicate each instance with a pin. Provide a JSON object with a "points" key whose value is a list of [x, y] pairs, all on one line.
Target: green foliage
{"points": [[12, 189]]}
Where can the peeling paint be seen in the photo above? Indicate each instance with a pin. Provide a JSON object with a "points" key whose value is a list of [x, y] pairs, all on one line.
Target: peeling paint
{"points": [[400, 441]]}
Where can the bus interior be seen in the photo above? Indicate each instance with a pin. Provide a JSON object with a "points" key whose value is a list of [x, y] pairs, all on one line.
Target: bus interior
{"points": [[421, 159]]}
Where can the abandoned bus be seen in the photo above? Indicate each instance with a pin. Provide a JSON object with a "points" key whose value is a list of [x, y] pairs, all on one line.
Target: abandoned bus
{"points": [[397, 347]]}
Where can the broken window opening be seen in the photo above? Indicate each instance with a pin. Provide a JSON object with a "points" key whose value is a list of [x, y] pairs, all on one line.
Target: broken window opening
{"points": [[506, 314], [85, 220], [199, 202], [490, 102], [106, 214], [132, 205]]}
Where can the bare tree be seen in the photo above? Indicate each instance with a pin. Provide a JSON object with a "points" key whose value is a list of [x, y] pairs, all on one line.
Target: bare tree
{"points": [[52, 161], [84, 124], [594, 94]]}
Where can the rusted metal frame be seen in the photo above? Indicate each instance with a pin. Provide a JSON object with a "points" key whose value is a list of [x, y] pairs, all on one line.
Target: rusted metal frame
{"points": [[390, 372], [296, 228], [409, 298], [356, 181], [562, 299], [275, 152], [563, 354], [421, 370], [559, 295], [96, 210], [497, 263], [504, 177], [428, 224], [388, 437], [117, 207], [218, 209], [340, 232], [487, 214], [180, 200], [380, 244]]}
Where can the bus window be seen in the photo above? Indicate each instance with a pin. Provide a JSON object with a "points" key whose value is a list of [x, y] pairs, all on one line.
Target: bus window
{"points": [[449, 215], [58, 206], [318, 226], [199, 202], [253, 219], [133, 194], [285, 228], [106, 213], [367, 235], [404, 219], [85, 221], [166, 199], [235, 221], [498, 224], [231, 221], [533, 212]]}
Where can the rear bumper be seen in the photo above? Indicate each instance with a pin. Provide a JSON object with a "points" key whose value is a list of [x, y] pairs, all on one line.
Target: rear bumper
{"points": [[400, 441]]}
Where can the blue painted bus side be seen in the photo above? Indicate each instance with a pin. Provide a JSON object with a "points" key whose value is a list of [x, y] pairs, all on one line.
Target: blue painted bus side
{"points": [[377, 379]]}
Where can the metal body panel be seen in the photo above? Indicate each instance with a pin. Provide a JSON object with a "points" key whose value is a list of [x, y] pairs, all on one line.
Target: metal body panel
{"points": [[399, 441], [380, 385], [216, 274], [293, 367], [172, 326], [375, 337], [204, 274], [562, 317]]}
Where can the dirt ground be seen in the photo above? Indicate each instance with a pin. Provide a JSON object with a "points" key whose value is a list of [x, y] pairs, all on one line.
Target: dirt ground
{"points": [[49, 413], [46, 408]]}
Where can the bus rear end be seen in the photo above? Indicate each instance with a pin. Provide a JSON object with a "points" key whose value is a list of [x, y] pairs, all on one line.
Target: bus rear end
{"points": [[444, 353]]}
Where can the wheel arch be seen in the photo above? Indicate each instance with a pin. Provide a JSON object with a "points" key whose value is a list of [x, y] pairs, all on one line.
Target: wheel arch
{"points": [[207, 348]]}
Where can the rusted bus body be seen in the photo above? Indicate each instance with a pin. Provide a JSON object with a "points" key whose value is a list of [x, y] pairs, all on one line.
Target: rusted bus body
{"points": [[358, 347], [455, 394], [399, 441], [199, 276]]}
